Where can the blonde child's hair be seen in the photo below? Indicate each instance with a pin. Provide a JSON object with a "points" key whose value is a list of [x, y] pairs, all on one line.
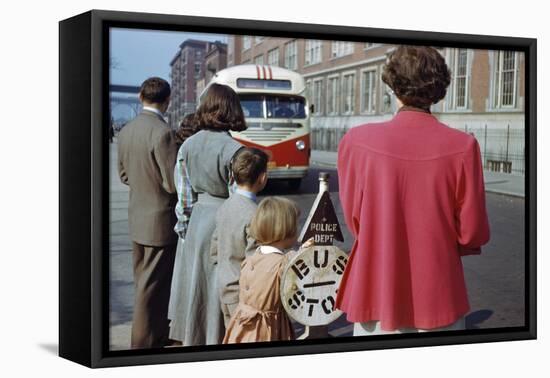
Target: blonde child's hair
{"points": [[275, 219]]}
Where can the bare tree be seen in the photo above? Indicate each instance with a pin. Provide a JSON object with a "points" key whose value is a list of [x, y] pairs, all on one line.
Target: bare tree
{"points": [[114, 64]]}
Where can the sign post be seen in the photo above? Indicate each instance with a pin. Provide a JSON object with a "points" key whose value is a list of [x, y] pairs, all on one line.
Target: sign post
{"points": [[311, 279]]}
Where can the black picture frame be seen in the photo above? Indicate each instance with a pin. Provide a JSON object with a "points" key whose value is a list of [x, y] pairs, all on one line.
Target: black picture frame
{"points": [[83, 196]]}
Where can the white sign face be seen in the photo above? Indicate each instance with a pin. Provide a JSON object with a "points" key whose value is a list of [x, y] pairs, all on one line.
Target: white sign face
{"points": [[310, 283]]}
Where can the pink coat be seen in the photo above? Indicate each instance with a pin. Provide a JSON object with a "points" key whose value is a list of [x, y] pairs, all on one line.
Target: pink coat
{"points": [[413, 197]]}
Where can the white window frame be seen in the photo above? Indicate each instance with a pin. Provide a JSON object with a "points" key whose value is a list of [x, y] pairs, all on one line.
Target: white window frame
{"points": [[344, 95], [270, 55], [196, 74], [317, 102], [291, 49], [339, 49], [497, 75], [257, 60], [313, 52], [308, 87], [334, 100], [372, 45], [452, 60], [382, 90], [373, 93], [247, 42]]}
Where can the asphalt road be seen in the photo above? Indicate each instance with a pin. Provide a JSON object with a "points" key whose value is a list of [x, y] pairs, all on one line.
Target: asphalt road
{"points": [[495, 279]]}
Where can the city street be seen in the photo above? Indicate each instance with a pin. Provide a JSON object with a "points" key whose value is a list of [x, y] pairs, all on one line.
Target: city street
{"points": [[495, 279]]}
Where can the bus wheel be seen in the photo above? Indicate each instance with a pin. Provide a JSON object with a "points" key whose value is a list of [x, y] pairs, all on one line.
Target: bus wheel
{"points": [[294, 184]]}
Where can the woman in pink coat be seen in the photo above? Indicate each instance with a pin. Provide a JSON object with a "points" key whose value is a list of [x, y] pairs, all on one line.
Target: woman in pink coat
{"points": [[413, 197]]}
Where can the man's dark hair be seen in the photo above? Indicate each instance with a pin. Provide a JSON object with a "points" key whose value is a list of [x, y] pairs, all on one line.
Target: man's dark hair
{"points": [[220, 110], [248, 164], [155, 90], [418, 75]]}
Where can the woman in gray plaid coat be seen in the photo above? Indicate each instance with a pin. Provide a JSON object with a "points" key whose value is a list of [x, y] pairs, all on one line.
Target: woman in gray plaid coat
{"points": [[195, 313]]}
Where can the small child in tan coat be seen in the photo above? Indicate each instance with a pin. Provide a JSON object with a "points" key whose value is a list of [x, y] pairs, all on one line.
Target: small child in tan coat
{"points": [[260, 315]]}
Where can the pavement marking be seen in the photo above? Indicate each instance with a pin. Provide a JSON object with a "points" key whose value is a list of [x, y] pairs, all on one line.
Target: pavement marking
{"points": [[343, 331]]}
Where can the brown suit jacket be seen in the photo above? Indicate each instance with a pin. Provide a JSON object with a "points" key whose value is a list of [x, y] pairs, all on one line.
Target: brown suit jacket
{"points": [[147, 153]]}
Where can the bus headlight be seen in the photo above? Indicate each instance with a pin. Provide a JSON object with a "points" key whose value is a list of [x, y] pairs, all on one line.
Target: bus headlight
{"points": [[300, 145]]}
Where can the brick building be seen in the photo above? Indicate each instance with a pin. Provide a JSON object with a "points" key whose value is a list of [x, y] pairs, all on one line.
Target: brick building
{"points": [[191, 69], [486, 95], [187, 68], [215, 60]]}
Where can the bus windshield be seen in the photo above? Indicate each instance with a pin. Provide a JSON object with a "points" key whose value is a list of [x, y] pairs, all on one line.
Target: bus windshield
{"points": [[275, 106]]}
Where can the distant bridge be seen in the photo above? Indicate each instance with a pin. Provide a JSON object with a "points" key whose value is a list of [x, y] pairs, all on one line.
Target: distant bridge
{"points": [[130, 101], [124, 88]]}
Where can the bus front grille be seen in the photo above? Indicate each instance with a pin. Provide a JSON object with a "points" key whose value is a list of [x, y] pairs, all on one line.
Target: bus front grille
{"points": [[267, 136]]}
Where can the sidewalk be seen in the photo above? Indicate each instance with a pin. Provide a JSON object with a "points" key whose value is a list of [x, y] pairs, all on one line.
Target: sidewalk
{"points": [[495, 182]]}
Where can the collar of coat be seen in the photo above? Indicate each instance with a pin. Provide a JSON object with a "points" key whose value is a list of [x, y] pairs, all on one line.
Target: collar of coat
{"points": [[405, 108], [265, 249]]}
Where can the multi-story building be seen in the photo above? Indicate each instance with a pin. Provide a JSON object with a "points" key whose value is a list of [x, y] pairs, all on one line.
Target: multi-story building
{"points": [[215, 60], [485, 97], [191, 69], [186, 68]]}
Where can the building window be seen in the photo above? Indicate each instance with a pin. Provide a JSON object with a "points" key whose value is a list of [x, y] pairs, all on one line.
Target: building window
{"points": [[386, 98], [258, 40], [505, 79], [291, 55], [348, 90], [317, 96], [198, 54], [273, 57], [459, 65], [368, 90], [197, 70], [259, 60], [341, 48], [246, 42], [313, 52], [333, 94], [370, 45]]}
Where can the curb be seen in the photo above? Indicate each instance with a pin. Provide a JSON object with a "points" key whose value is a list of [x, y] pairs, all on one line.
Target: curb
{"points": [[323, 164], [506, 193]]}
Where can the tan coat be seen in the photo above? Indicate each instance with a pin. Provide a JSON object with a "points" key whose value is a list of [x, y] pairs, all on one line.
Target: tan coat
{"points": [[260, 315], [147, 154]]}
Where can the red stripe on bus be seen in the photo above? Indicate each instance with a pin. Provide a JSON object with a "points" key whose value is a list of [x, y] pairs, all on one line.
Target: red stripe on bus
{"points": [[258, 71], [270, 73], [265, 76], [284, 152]]}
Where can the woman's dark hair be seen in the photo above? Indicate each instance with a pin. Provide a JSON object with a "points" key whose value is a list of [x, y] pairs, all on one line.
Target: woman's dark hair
{"points": [[187, 128], [155, 90], [418, 75], [248, 164], [220, 109]]}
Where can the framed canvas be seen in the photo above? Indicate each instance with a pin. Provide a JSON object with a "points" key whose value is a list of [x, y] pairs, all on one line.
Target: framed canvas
{"points": [[312, 97]]}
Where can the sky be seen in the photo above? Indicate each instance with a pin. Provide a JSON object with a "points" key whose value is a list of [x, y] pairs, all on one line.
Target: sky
{"points": [[138, 54]]}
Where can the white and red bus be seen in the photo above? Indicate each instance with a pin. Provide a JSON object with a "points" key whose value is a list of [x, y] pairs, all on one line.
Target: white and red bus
{"points": [[277, 115]]}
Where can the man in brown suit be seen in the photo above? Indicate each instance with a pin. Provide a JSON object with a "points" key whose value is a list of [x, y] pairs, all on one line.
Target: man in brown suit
{"points": [[147, 153]]}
